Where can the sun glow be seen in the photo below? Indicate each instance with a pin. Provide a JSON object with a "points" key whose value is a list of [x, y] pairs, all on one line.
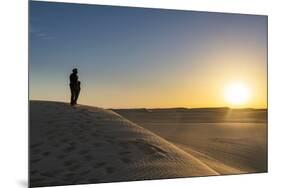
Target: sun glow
{"points": [[237, 94]]}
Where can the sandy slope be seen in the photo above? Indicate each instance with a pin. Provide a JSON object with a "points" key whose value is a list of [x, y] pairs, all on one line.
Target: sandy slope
{"points": [[74, 145]]}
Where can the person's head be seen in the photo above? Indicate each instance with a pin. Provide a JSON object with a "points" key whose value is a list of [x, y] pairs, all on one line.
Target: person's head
{"points": [[75, 71]]}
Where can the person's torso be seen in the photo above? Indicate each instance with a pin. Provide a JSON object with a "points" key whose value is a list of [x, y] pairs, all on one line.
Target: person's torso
{"points": [[73, 78]]}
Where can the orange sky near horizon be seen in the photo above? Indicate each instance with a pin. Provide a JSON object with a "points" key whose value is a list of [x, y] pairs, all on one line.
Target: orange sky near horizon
{"points": [[205, 88]]}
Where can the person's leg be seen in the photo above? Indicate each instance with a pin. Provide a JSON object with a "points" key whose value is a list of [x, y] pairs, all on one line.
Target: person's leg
{"points": [[77, 92], [72, 97]]}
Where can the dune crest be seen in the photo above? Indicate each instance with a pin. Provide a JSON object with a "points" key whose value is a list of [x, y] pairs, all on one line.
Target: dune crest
{"points": [[83, 144]]}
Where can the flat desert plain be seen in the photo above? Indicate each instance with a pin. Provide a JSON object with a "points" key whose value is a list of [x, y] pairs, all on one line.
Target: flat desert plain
{"points": [[230, 141]]}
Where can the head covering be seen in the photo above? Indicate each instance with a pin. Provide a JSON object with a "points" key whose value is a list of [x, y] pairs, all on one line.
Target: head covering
{"points": [[74, 70]]}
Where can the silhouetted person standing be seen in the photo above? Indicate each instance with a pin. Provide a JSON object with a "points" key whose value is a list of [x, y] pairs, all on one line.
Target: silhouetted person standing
{"points": [[74, 87]]}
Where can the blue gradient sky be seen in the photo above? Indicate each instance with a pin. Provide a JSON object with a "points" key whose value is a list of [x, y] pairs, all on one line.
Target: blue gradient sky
{"points": [[136, 57]]}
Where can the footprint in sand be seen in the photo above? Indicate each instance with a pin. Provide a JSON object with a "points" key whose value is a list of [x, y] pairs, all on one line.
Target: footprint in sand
{"points": [[50, 122], [84, 140], [50, 133], [110, 141], [57, 171], [124, 145], [69, 176], [82, 152], [126, 160], [78, 133], [35, 160], [35, 151], [49, 174], [100, 132], [50, 138], [81, 137], [98, 117], [94, 134], [86, 128], [60, 134], [33, 172], [82, 111], [75, 167], [97, 144], [72, 144], [68, 149], [55, 144], [124, 152], [32, 146], [88, 157], [89, 121], [61, 156], [109, 170], [100, 164], [84, 173], [46, 153], [68, 163], [93, 180], [64, 140], [37, 180]]}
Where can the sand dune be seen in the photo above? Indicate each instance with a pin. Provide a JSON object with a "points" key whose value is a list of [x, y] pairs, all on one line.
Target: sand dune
{"points": [[230, 141], [75, 145]]}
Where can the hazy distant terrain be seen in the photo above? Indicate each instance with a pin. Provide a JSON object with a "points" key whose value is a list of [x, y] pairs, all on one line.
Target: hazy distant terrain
{"points": [[229, 141]]}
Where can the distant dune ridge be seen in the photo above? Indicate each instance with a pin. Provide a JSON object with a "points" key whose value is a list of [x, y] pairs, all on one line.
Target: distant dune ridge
{"points": [[83, 144], [202, 115]]}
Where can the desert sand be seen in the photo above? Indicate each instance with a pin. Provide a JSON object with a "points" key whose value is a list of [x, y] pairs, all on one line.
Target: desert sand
{"points": [[83, 144], [230, 141]]}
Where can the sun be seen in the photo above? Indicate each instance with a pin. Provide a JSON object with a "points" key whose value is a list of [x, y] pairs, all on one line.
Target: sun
{"points": [[237, 94]]}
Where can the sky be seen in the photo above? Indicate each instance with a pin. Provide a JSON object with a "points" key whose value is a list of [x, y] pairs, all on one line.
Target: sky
{"points": [[146, 58]]}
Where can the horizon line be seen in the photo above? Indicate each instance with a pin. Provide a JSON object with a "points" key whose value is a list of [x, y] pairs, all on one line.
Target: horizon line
{"points": [[159, 108]]}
